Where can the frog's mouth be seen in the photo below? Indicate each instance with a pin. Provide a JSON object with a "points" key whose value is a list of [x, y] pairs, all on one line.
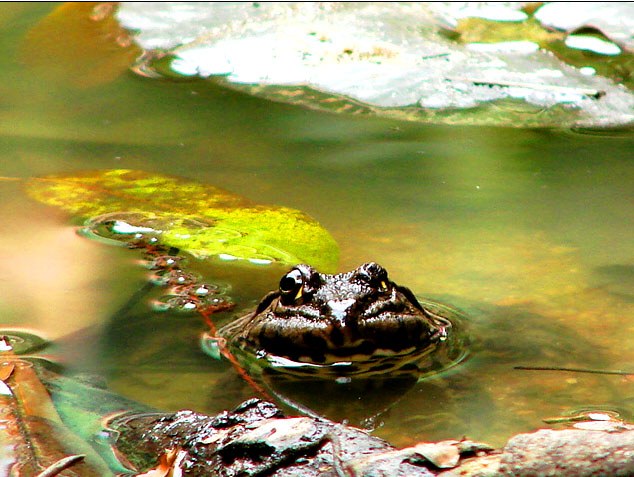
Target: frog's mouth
{"points": [[378, 331], [303, 346], [330, 351]]}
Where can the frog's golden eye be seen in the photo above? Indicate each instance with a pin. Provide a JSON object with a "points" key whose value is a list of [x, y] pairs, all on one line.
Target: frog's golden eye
{"points": [[299, 284], [291, 282], [292, 286], [299, 293], [374, 275]]}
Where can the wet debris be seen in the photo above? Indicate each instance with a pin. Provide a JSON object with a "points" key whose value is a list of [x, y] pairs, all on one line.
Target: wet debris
{"points": [[257, 439], [61, 465]]}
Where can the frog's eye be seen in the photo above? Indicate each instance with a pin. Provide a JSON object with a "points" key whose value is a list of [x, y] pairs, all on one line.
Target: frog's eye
{"points": [[292, 284], [374, 275]]}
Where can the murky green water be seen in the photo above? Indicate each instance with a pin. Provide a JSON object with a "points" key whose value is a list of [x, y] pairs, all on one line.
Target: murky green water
{"points": [[528, 232]]}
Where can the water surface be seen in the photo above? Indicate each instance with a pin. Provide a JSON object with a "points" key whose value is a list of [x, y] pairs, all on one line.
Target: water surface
{"points": [[527, 232]]}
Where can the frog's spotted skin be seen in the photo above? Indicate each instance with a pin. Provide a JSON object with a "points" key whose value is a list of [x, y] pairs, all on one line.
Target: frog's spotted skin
{"points": [[358, 320]]}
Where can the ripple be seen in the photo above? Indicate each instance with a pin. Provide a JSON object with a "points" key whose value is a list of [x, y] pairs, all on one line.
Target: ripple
{"points": [[23, 342]]}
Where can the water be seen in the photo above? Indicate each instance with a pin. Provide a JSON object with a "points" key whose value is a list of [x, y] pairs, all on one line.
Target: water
{"points": [[527, 232]]}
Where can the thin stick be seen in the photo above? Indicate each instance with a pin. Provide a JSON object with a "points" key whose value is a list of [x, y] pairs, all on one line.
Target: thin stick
{"points": [[336, 455], [61, 465], [437, 55], [241, 371], [592, 93], [224, 350], [135, 298], [572, 370]]}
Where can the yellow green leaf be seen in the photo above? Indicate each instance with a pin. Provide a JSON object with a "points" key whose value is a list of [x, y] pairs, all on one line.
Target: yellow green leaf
{"points": [[489, 31], [198, 218]]}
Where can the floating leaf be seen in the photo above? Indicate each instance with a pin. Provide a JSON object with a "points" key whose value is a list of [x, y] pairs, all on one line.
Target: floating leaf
{"points": [[201, 219], [614, 19], [473, 29], [392, 60]]}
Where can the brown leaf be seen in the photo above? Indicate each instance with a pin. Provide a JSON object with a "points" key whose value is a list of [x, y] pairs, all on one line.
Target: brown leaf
{"points": [[168, 464], [34, 437], [443, 454], [82, 43], [5, 370]]}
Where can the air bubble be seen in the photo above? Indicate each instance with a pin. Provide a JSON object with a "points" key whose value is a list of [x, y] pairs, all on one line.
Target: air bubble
{"points": [[176, 303], [593, 44], [122, 227], [174, 277], [216, 304], [164, 261], [198, 290], [202, 290], [260, 261], [210, 345], [226, 256]]}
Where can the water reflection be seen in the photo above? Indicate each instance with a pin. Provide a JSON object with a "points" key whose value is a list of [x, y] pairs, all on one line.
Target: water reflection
{"points": [[619, 132]]}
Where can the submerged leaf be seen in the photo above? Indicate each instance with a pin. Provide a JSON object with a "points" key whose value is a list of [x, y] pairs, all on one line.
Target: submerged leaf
{"points": [[201, 219], [5, 370], [34, 437], [81, 42]]}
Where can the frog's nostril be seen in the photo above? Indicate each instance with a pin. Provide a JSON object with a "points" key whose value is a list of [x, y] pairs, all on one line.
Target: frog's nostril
{"points": [[339, 308]]}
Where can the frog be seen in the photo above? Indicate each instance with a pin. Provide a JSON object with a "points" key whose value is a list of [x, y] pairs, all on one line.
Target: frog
{"points": [[357, 322]]}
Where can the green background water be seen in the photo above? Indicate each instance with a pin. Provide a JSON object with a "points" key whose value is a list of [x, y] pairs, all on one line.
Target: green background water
{"points": [[528, 232]]}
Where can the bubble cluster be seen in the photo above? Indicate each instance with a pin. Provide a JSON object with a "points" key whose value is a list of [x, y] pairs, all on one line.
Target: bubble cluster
{"points": [[190, 303], [164, 262], [187, 293], [131, 228], [211, 345], [142, 231], [173, 277]]}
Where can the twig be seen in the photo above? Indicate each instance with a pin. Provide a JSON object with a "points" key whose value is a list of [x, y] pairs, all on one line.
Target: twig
{"points": [[336, 454], [572, 370], [437, 55], [61, 465], [224, 350], [591, 93], [134, 299], [559, 420]]}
